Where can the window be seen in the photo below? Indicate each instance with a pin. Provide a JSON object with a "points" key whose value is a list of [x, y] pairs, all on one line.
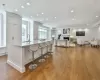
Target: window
{"points": [[27, 31], [2, 31], [43, 33]]}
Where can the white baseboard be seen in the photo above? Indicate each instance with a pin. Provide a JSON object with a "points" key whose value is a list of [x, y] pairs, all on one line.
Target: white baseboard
{"points": [[28, 61], [2, 54], [22, 70]]}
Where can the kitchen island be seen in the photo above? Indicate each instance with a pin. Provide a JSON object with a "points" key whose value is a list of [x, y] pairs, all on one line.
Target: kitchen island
{"points": [[19, 55]]}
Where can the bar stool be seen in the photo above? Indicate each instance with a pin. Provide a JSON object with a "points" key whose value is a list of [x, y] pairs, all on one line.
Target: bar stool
{"points": [[33, 49], [50, 49], [42, 46], [47, 45]]}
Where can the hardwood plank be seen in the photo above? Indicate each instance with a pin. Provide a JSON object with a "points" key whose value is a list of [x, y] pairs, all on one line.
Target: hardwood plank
{"points": [[79, 63]]}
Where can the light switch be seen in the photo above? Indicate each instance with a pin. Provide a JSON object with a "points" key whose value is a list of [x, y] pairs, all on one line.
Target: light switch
{"points": [[12, 38]]}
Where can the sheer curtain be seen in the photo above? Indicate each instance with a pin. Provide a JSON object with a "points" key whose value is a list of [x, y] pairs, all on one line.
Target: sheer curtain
{"points": [[43, 33]]}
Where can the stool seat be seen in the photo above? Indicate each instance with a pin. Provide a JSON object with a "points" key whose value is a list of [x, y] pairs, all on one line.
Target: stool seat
{"points": [[47, 45], [50, 43], [42, 46], [33, 49]]}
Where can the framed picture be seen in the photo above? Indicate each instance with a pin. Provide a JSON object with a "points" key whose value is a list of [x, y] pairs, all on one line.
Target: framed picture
{"points": [[66, 31]]}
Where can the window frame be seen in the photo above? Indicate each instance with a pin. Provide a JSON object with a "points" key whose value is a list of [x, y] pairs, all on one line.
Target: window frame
{"points": [[2, 29], [29, 28], [43, 32]]}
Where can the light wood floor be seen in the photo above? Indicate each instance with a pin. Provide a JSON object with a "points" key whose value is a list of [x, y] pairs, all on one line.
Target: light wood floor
{"points": [[81, 63]]}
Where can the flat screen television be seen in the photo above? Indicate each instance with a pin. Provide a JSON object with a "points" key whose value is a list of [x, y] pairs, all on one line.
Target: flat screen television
{"points": [[80, 33]]}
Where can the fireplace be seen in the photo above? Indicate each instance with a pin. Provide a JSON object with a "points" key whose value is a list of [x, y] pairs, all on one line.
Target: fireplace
{"points": [[66, 38]]}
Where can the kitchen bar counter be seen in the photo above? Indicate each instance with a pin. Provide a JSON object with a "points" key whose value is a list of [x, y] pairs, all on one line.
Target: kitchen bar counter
{"points": [[24, 44], [19, 55]]}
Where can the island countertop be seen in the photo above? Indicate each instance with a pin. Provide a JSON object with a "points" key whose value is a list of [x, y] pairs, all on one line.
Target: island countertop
{"points": [[25, 44]]}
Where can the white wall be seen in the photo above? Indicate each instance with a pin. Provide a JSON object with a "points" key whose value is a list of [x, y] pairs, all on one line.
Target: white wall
{"points": [[14, 29], [36, 27], [98, 32], [90, 33], [60, 31], [2, 51], [49, 34], [35, 30], [14, 38]]}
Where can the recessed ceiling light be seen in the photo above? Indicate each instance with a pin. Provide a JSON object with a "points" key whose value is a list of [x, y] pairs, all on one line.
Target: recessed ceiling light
{"points": [[40, 20], [97, 16], [16, 9], [42, 13], [99, 28], [22, 6], [74, 16], [73, 19], [55, 17], [37, 15], [28, 4], [86, 29], [46, 18], [87, 24], [31, 16], [72, 11]]}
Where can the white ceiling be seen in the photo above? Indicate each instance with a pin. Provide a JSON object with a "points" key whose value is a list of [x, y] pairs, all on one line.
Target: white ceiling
{"points": [[85, 11]]}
